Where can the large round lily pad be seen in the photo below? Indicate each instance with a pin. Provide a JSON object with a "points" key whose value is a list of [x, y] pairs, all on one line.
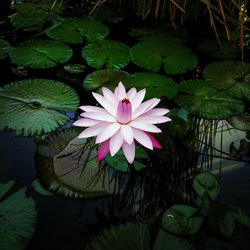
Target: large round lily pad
{"points": [[152, 54], [17, 218], [4, 49], [204, 101], [233, 77], [157, 85], [123, 237], [241, 122], [106, 53], [67, 165], [108, 78], [40, 54], [76, 30], [35, 106]]}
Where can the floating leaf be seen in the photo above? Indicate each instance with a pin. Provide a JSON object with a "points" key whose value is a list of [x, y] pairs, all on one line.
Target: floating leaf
{"points": [[179, 220], [40, 54], [108, 78], [157, 85], [204, 101], [17, 220], [166, 241], [40, 189], [67, 165], [36, 106], [233, 77], [74, 68], [75, 30], [106, 53], [241, 122], [152, 54], [227, 223], [4, 49], [206, 183], [241, 216], [212, 49], [123, 237]]}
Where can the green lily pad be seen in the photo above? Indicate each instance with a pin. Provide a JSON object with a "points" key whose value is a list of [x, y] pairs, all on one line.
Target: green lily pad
{"points": [[35, 106], [227, 223], [156, 85], [17, 220], [40, 54], [106, 53], [241, 122], [123, 237], [108, 78], [233, 77], [74, 68], [241, 216], [212, 49], [75, 30], [154, 53], [167, 241], [67, 165], [4, 49], [204, 101], [179, 220], [36, 184], [206, 183]]}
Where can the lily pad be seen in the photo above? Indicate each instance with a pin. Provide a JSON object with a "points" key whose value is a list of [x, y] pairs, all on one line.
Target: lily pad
{"points": [[157, 85], [40, 54], [36, 184], [233, 77], [35, 106], [241, 122], [241, 216], [67, 165], [154, 53], [123, 237], [108, 78], [180, 220], [206, 183], [227, 223], [204, 101], [4, 49], [17, 220], [76, 30], [74, 68], [106, 53], [212, 49]]}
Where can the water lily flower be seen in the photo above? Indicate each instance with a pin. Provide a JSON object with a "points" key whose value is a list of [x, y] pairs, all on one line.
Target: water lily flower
{"points": [[122, 120]]}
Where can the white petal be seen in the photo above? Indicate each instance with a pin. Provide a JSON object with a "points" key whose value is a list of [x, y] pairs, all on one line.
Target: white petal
{"points": [[145, 106], [153, 119], [85, 122], [129, 151], [93, 131], [127, 134], [105, 103], [142, 138], [137, 99], [115, 143], [104, 116], [144, 126], [121, 92], [91, 109], [108, 132], [109, 95], [157, 111], [131, 93]]}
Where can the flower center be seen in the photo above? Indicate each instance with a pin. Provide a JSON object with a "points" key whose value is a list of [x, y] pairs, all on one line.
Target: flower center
{"points": [[124, 111]]}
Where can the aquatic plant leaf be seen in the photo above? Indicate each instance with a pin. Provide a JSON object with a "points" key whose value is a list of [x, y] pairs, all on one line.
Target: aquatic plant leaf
{"points": [[76, 30], [241, 217], [67, 165], [40, 54], [212, 49], [204, 101], [179, 220], [74, 68], [108, 78], [157, 85], [152, 54], [17, 220], [241, 122], [167, 241], [227, 75], [106, 53], [206, 183], [227, 223], [4, 188], [36, 184], [123, 237], [35, 106], [4, 49]]}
